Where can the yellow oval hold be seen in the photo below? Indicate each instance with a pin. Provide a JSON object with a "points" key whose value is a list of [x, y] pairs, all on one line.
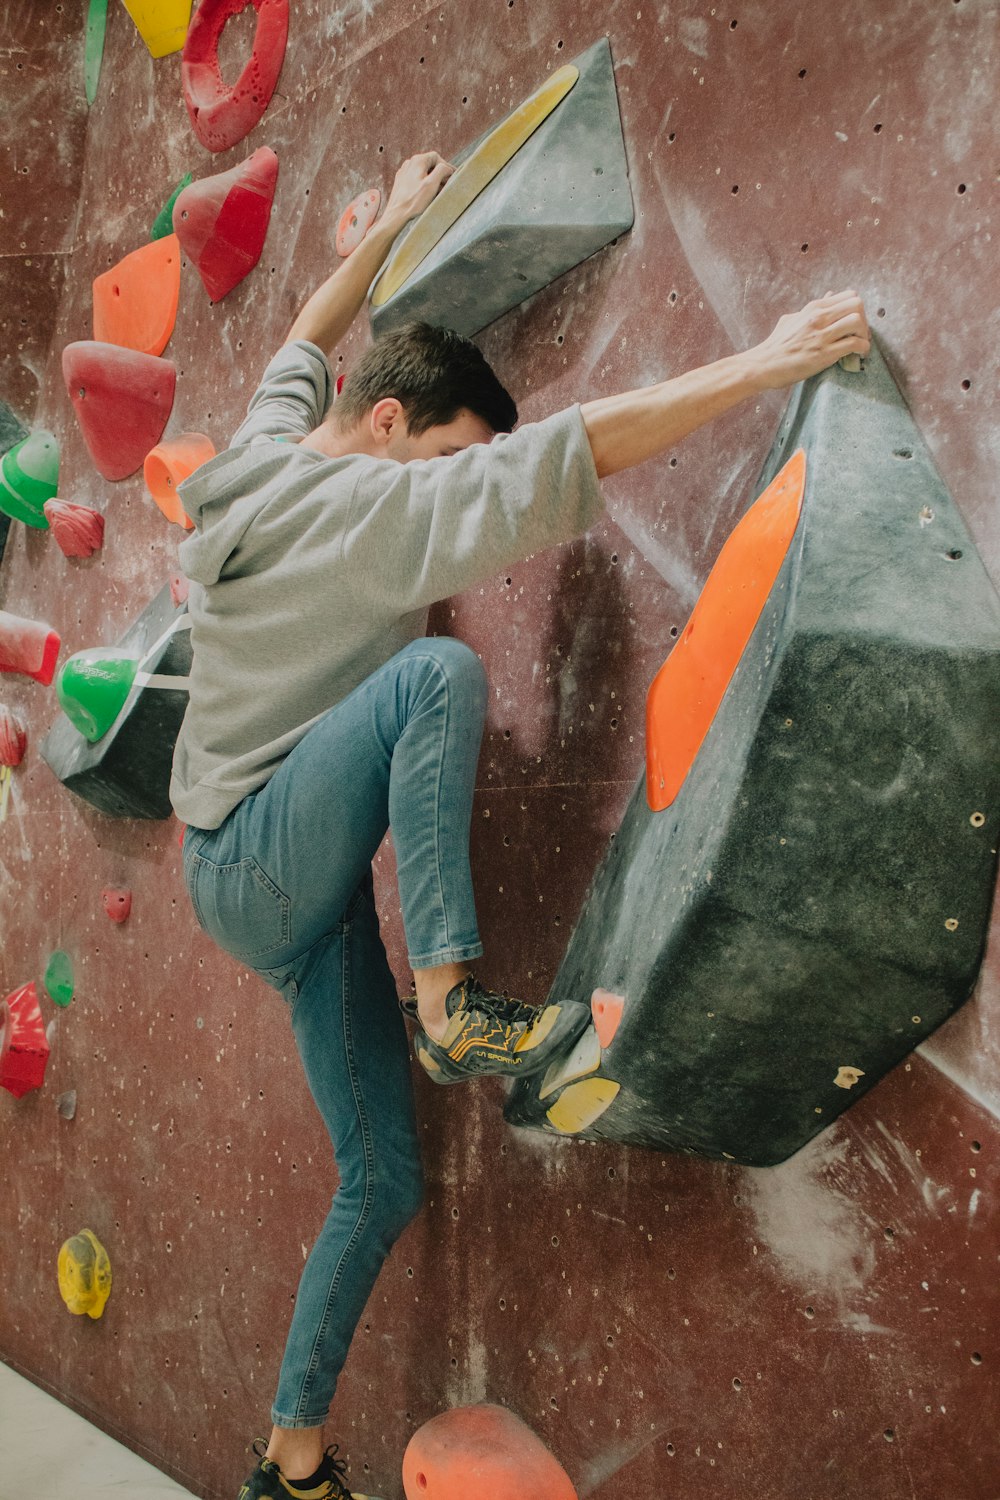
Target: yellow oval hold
{"points": [[84, 1274], [581, 1104], [469, 180]]}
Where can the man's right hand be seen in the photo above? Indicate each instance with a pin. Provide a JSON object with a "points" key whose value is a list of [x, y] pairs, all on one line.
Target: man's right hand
{"points": [[417, 184], [806, 342]]}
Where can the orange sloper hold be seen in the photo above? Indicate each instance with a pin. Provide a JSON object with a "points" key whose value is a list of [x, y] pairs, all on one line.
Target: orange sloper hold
{"points": [[135, 303], [606, 1010], [24, 1047], [686, 692], [481, 1453], [78, 529], [169, 464]]}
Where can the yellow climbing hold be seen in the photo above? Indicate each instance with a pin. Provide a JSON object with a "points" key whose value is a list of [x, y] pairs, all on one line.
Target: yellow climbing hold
{"points": [[475, 174], [847, 1077], [162, 24], [581, 1104], [84, 1274]]}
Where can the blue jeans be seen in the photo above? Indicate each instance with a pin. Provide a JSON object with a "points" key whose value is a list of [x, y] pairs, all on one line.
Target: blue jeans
{"points": [[285, 885]]}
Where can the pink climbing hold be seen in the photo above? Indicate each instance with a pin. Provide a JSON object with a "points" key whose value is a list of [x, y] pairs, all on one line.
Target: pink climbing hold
{"points": [[78, 529], [123, 400], [13, 737], [356, 220], [117, 903], [481, 1453], [28, 647], [606, 1010], [222, 221], [223, 114], [180, 587], [24, 1047]]}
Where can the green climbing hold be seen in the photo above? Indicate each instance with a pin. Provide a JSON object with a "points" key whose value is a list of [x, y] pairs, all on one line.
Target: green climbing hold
{"points": [[59, 977], [97, 20], [163, 224], [92, 687], [29, 475]]}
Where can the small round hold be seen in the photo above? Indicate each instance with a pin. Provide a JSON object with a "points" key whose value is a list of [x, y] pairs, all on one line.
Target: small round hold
{"points": [[978, 819], [117, 904], [915, 1020], [951, 923]]}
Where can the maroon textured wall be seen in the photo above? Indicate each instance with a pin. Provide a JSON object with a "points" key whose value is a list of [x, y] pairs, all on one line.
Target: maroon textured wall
{"points": [[668, 1326]]}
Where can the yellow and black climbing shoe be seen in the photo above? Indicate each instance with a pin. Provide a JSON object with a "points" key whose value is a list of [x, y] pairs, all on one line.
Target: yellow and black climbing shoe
{"points": [[487, 1033], [268, 1483]]}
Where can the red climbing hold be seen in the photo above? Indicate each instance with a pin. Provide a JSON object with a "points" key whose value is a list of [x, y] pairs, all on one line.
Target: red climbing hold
{"points": [[606, 1010], [123, 400], [481, 1453], [13, 737], [117, 903], [356, 220], [28, 647], [24, 1047], [180, 587], [222, 114], [222, 221], [135, 303], [78, 529]]}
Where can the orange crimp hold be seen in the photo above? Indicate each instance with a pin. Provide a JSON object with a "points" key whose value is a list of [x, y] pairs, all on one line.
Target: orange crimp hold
{"points": [[169, 464], [686, 692], [606, 1010], [135, 303], [24, 1047], [481, 1453]]}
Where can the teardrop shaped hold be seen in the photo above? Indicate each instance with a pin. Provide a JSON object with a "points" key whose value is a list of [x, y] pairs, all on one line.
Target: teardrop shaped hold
{"points": [[222, 114], [13, 737], [84, 1274], [59, 978], [122, 400], [481, 1453], [117, 903], [24, 1047], [356, 220], [162, 24], [92, 688], [222, 221], [28, 647], [135, 303], [78, 529], [29, 475], [169, 464]]}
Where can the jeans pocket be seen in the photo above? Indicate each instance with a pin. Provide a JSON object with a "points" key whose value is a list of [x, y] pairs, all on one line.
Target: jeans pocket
{"points": [[240, 907]]}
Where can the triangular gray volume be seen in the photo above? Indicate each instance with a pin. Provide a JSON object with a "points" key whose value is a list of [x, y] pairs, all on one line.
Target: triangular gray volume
{"points": [[816, 899], [563, 196]]}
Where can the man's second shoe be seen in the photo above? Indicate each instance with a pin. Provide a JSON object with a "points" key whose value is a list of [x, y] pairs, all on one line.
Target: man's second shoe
{"points": [[490, 1034]]}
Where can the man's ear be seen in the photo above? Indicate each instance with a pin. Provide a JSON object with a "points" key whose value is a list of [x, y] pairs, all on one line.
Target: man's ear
{"points": [[387, 420]]}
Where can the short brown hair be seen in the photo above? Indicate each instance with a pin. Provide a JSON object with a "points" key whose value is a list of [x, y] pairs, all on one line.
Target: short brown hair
{"points": [[434, 373]]}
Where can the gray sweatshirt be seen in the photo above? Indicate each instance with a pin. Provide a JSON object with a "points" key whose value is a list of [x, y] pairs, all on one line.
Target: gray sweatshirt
{"points": [[308, 573]]}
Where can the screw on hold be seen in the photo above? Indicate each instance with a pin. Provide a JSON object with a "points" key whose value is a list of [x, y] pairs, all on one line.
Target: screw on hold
{"points": [[66, 1104], [952, 924], [977, 819]]}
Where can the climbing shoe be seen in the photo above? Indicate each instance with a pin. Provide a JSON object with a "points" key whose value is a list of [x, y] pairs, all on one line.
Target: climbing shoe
{"points": [[268, 1483], [487, 1033]]}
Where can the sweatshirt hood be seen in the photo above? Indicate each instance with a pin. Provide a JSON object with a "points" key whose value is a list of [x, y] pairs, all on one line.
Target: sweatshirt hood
{"points": [[223, 498]]}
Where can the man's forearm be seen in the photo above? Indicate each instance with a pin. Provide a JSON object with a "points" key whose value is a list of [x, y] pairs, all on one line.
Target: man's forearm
{"points": [[636, 425], [331, 310], [623, 430]]}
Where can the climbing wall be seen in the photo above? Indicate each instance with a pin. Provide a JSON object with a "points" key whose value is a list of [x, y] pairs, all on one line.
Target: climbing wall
{"points": [[669, 1325]]}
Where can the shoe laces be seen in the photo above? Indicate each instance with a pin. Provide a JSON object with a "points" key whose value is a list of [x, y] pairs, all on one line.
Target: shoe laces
{"points": [[512, 1012], [338, 1466]]}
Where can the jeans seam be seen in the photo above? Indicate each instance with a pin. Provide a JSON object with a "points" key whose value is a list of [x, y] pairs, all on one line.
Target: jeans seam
{"points": [[365, 1210], [437, 796]]}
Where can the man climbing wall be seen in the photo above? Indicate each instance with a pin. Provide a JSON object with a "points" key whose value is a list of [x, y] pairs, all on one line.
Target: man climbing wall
{"points": [[320, 715]]}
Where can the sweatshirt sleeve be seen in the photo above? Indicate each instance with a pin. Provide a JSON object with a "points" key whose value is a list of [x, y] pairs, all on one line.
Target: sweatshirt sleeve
{"points": [[293, 397], [424, 530]]}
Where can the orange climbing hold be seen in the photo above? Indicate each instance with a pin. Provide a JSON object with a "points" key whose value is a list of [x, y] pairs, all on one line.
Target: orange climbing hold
{"points": [[169, 464], [356, 220], [606, 1010], [135, 303], [481, 1453], [24, 1047], [686, 692]]}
